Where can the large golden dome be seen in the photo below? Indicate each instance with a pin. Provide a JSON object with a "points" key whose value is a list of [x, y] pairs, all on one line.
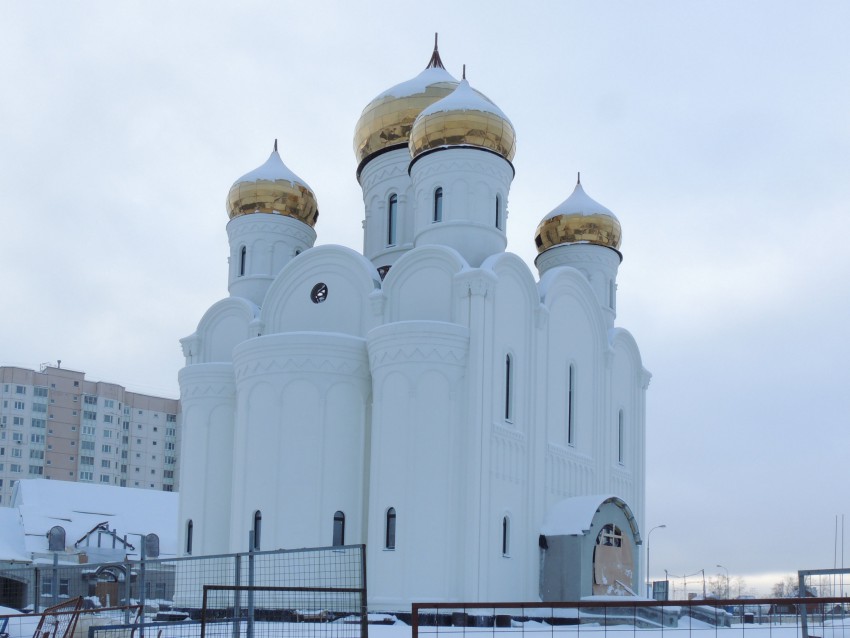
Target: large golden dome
{"points": [[578, 220], [464, 118], [386, 121], [273, 188]]}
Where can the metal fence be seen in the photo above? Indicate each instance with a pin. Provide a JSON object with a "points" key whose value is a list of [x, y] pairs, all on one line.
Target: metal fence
{"points": [[824, 617], [173, 589]]}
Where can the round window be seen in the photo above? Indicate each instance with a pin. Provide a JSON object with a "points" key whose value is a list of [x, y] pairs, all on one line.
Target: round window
{"points": [[319, 293]]}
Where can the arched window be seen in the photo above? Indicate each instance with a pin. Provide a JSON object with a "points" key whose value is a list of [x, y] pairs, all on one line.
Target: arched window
{"points": [[498, 212], [438, 205], [392, 219], [56, 539], [242, 256], [258, 521], [506, 536], [189, 529], [620, 434], [339, 529], [571, 386], [509, 407], [390, 535]]}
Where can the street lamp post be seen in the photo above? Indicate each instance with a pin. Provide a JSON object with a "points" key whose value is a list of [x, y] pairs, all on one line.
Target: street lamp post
{"points": [[727, 579], [648, 537]]}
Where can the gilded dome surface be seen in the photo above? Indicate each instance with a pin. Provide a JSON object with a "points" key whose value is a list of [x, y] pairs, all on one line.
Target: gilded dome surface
{"points": [[464, 118], [578, 220], [386, 121], [273, 188]]}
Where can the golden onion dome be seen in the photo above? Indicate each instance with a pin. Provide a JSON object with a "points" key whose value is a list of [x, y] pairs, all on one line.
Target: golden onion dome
{"points": [[273, 188], [578, 220], [386, 121], [464, 118]]}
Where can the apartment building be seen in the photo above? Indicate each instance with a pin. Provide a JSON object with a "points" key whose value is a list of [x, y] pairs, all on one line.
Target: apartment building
{"points": [[55, 424]]}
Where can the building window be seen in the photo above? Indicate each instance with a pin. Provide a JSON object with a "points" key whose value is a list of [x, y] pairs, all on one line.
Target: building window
{"points": [[19, 389], [612, 289], [509, 407], [389, 540], [571, 380], [20, 405], [339, 529], [258, 521], [506, 536], [243, 253], [438, 205], [498, 212], [392, 219], [620, 440], [189, 529]]}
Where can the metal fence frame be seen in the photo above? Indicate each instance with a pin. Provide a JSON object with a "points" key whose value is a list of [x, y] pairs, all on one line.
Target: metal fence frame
{"points": [[443, 618]]}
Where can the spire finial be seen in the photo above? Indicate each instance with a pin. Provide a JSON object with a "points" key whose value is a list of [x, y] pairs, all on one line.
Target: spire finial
{"points": [[435, 62], [578, 181], [464, 71], [275, 145]]}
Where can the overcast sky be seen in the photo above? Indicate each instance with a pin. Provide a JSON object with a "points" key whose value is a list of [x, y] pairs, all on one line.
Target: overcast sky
{"points": [[717, 131]]}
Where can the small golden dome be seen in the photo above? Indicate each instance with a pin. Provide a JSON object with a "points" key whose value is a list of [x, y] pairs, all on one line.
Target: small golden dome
{"points": [[273, 188], [386, 121], [578, 220], [464, 118]]}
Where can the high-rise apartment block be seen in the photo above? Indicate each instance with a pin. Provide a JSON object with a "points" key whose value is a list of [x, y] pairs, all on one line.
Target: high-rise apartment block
{"points": [[55, 424]]}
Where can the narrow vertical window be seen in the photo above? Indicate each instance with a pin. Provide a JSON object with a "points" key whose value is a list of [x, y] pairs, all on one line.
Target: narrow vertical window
{"points": [[189, 529], [620, 437], [390, 535], [498, 211], [258, 521], [339, 529], [506, 536], [508, 388], [571, 381], [392, 215], [438, 205], [242, 255], [612, 288]]}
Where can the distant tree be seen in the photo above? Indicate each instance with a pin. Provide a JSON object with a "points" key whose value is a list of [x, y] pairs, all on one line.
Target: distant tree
{"points": [[785, 588], [738, 587], [716, 587]]}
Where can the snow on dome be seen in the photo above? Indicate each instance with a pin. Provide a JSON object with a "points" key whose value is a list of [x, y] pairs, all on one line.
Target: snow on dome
{"points": [[273, 188], [463, 118], [273, 169], [419, 84], [387, 120], [579, 219], [465, 98]]}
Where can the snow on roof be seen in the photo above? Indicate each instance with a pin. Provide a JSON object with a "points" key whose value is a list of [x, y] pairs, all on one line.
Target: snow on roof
{"points": [[80, 507], [579, 203], [417, 85], [573, 516], [12, 548], [272, 170], [464, 98]]}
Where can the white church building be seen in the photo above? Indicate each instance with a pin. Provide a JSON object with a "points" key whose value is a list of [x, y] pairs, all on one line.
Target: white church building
{"points": [[478, 426]]}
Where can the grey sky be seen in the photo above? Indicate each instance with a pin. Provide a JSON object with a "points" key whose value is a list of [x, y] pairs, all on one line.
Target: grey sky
{"points": [[718, 132]]}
